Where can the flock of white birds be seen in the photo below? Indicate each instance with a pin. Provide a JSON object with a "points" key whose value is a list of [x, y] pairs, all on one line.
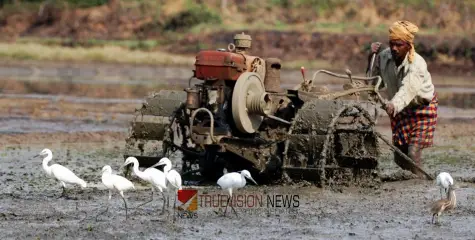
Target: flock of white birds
{"points": [[167, 181], [170, 180]]}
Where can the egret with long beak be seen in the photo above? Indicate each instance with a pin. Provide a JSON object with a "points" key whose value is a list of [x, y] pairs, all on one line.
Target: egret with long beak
{"points": [[60, 173], [173, 178], [117, 183], [150, 175], [234, 180]]}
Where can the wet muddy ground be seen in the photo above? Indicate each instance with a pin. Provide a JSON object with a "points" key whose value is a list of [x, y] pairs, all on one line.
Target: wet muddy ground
{"points": [[86, 133], [29, 208]]}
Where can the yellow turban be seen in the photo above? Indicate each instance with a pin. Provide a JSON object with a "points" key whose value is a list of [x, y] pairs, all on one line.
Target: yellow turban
{"points": [[404, 30]]}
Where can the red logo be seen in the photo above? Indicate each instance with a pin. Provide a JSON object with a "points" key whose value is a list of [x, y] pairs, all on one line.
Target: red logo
{"points": [[187, 200]]}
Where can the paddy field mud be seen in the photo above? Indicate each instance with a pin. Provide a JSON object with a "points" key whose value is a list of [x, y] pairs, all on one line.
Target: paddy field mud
{"points": [[82, 112]]}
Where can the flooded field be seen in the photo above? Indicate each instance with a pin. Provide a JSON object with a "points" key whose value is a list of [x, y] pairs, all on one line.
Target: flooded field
{"points": [[85, 124]]}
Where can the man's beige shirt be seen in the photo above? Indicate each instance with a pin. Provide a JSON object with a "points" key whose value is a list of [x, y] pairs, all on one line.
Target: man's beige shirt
{"points": [[409, 83]]}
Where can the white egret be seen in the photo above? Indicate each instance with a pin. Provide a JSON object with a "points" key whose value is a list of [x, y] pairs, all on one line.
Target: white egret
{"points": [[60, 173], [444, 180], [150, 175], [173, 177], [117, 183], [234, 180]]}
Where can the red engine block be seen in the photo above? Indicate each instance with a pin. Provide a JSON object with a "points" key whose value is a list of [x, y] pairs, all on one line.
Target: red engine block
{"points": [[219, 65]]}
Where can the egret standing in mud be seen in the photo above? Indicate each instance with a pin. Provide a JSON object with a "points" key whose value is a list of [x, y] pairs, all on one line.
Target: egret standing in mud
{"points": [[444, 180], [151, 175], [117, 183], [173, 178], [62, 174], [234, 180], [443, 204]]}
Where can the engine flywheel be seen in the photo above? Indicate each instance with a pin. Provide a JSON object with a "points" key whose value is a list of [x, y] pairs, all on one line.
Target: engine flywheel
{"points": [[249, 103]]}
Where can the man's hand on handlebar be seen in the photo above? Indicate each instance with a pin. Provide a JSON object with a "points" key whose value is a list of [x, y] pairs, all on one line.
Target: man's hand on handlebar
{"points": [[389, 108], [375, 47]]}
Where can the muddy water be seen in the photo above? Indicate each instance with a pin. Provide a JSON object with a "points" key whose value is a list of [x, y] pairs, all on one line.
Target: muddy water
{"points": [[396, 208], [82, 114], [64, 118], [22, 125], [454, 91], [392, 210]]}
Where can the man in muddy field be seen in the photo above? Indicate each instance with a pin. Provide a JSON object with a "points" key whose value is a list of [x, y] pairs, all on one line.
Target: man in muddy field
{"points": [[413, 103]]}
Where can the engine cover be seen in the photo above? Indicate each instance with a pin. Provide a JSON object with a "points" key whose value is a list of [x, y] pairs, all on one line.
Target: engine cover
{"points": [[219, 65]]}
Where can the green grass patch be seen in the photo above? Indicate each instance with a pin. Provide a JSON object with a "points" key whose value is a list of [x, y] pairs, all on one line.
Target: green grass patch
{"points": [[26, 50], [322, 27], [110, 54], [193, 15], [144, 45]]}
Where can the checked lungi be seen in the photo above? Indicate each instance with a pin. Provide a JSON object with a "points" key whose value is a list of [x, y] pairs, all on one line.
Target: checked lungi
{"points": [[416, 126]]}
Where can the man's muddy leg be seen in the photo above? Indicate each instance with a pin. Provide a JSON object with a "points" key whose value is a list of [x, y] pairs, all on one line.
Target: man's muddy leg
{"points": [[415, 152], [412, 151], [400, 159]]}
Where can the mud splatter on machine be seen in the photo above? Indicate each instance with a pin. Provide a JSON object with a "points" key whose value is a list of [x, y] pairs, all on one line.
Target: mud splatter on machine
{"points": [[238, 116]]}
